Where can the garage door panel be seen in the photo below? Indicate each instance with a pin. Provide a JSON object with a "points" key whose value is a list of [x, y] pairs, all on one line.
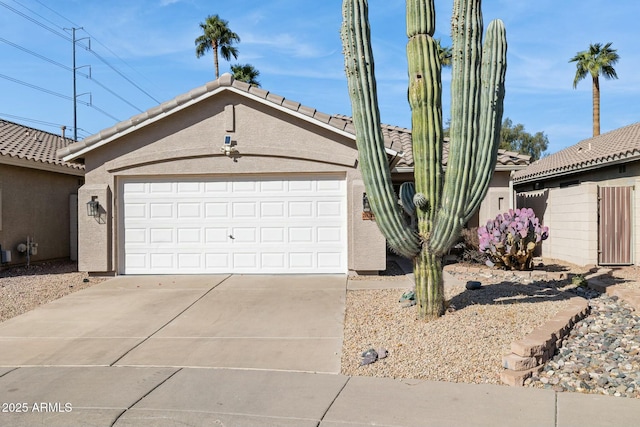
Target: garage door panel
{"points": [[216, 235], [244, 209], [272, 209], [161, 235], [217, 210], [329, 259], [241, 225], [217, 261]]}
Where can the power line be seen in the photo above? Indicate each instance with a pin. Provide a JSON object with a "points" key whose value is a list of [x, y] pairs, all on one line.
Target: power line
{"points": [[59, 95], [36, 13], [40, 122], [122, 75], [61, 16], [92, 37], [100, 57], [35, 21], [65, 36], [25, 119], [58, 64], [37, 55]]}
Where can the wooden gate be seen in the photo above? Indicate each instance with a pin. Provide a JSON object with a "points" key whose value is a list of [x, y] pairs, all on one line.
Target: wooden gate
{"points": [[614, 225]]}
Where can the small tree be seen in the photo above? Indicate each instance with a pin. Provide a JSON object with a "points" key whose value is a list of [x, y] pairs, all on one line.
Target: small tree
{"points": [[515, 138]]}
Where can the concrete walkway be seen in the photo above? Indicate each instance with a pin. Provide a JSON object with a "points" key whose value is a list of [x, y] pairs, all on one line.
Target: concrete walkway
{"points": [[237, 351]]}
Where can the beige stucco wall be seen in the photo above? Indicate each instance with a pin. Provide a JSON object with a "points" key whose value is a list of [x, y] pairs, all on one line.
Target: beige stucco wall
{"points": [[571, 213], [35, 203], [187, 143], [572, 218], [497, 199]]}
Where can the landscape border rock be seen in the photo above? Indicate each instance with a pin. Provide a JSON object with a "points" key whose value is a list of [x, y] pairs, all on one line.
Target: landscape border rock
{"points": [[529, 354], [595, 282]]}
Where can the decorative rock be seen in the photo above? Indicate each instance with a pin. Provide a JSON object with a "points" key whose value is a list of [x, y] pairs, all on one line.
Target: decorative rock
{"points": [[473, 285], [368, 357], [600, 354]]}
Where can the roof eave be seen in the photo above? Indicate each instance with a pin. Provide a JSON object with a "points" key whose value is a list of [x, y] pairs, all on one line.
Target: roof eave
{"points": [[576, 170], [38, 165], [70, 154]]}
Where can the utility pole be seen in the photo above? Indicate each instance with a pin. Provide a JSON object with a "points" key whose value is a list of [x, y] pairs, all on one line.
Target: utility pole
{"points": [[75, 95], [75, 104]]}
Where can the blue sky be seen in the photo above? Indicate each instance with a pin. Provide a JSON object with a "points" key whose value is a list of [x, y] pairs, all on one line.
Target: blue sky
{"points": [[295, 44]]}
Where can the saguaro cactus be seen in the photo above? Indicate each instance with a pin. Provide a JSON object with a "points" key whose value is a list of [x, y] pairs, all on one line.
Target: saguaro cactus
{"points": [[443, 202]]}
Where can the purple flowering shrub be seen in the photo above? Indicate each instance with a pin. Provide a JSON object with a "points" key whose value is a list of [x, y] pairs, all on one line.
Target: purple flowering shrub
{"points": [[510, 239]]}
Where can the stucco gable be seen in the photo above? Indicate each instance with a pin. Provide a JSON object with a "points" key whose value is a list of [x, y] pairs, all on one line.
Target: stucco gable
{"points": [[226, 83]]}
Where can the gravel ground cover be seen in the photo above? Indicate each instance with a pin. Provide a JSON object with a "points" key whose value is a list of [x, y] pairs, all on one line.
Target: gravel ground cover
{"points": [[467, 343], [464, 345], [25, 288]]}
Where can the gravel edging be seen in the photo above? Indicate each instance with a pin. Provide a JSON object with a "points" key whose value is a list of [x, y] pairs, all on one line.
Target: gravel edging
{"points": [[24, 288]]}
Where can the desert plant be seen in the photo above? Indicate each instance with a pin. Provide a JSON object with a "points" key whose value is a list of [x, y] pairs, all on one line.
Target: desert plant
{"points": [[510, 239], [471, 246], [441, 204]]}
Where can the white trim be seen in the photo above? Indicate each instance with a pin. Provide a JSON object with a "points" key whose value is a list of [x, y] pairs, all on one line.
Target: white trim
{"points": [[120, 200], [36, 164], [203, 97]]}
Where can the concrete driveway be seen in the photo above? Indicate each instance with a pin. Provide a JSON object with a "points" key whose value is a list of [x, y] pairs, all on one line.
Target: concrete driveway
{"points": [[291, 323]]}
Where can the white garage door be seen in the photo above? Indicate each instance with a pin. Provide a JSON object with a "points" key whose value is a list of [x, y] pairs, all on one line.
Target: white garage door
{"points": [[239, 225]]}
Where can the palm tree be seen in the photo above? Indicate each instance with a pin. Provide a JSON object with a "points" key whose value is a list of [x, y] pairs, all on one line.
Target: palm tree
{"points": [[245, 73], [595, 61], [216, 35], [444, 53]]}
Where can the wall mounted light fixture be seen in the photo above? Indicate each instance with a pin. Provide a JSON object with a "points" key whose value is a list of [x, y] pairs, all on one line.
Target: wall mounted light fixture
{"points": [[93, 207], [366, 207], [228, 147]]}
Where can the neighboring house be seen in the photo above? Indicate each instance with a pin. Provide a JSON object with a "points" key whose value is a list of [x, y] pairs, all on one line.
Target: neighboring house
{"points": [[586, 195], [36, 191], [228, 178]]}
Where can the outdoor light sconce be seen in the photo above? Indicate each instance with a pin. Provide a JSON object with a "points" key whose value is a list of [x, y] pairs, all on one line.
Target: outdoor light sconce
{"points": [[367, 214], [366, 207], [93, 207], [228, 147]]}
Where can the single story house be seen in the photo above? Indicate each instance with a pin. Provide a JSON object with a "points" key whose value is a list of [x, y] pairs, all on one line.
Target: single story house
{"points": [[38, 196], [229, 178], [586, 195]]}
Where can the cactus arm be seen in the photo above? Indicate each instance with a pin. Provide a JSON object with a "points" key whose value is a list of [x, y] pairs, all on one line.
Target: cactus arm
{"points": [[425, 98], [494, 66], [466, 32], [407, 192], [359, 68]]}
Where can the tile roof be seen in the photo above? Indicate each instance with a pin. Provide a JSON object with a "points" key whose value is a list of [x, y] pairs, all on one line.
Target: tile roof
{"points": [[620, 145], [396, 138], [399, 139], [29, 144]]}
